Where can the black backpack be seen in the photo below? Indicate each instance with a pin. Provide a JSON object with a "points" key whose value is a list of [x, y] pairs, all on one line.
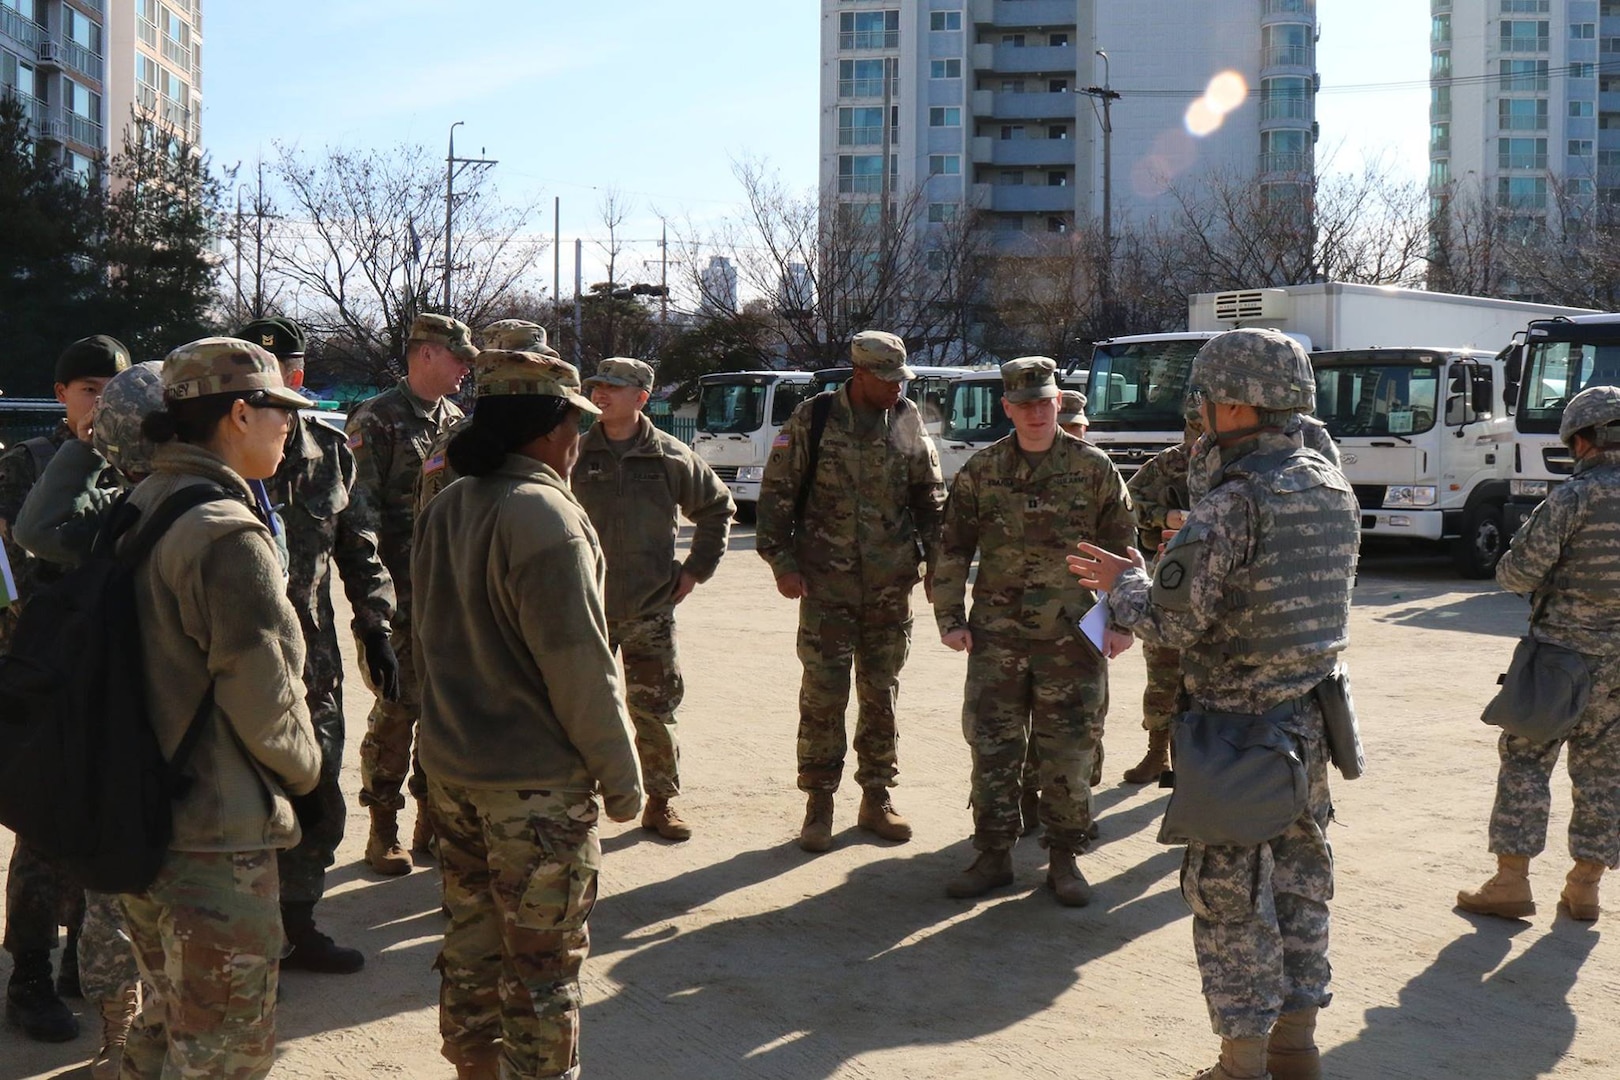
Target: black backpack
{"points": [[82, 777]]}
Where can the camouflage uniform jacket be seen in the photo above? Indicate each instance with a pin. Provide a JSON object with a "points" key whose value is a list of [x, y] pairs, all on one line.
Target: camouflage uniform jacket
{"points": [[391, 436], [62, 514], [1023, 522], [436, 471], [1159, 487], [1567, 555], [873, 514], [1302, 430], [633, 501], [1206, 581], [311, 491]]}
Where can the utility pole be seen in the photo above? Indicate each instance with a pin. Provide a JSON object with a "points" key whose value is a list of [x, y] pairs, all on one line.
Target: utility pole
{"points": [[258, 246], [663, 278], [241, 302], [556, 267], [885, 185], [1107, 95], [579, 286], [451, 171]]}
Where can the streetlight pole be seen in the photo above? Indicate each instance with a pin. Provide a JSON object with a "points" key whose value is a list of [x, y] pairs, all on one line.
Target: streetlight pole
{"points": [[449, 209], [1107, 96]]}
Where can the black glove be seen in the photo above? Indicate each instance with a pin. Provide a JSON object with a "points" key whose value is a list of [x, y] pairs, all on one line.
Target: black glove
{"points": [[382, 664], [308, 809]]}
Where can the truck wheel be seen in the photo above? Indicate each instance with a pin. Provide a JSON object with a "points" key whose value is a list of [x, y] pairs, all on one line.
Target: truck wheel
{"points": [[1476, 552]]}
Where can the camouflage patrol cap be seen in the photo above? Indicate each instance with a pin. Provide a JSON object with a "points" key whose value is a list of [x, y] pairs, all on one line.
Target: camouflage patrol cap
{"points": [[504, 373], [1596, 407], [1263, 368], [115, 423], [223, 365], [1029, 378], [623, 371], [1072, 408], [881, 353], [517, 335], [280, 337], [94, 357], [443, 330]]}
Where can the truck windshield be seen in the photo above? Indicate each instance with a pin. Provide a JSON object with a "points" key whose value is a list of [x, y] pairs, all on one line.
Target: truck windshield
{"points": [[975, 414], [1557, 371], [1377, 399], [1139, 386], [731, 408]]}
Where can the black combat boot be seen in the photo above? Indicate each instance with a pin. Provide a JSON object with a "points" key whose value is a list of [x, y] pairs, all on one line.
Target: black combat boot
{"points": [[67, 971], [31, 1001], [313, 950]]}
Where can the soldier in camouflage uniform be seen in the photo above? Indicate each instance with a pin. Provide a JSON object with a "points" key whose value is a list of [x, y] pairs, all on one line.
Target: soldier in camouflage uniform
{"points": [[1159, 490], [1072, 413], [311, 492], [1566, 556], [849, 549], [38, 897], [1255, 591], [523, 721], [392, 435], [1019, 504], [635, 482]]}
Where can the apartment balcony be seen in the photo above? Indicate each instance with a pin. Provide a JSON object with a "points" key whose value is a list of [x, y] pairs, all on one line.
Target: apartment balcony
{"points": [[1004, 14], [1524, 45], [147, 98], [1289, 162], [33, 108], [1439, 110], [866, 136], [60, 125], [72, 55], [24, 31], [1011, 106], [850, 89], [1029, 199], [1288, 10], [177, 54], [1033, 153], [1301, 57], [1031, 59], [147, 31]]}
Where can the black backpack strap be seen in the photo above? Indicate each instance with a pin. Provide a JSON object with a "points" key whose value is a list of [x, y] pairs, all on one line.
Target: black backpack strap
{"points": [[820, 408], [166, 514], [173, 780]]}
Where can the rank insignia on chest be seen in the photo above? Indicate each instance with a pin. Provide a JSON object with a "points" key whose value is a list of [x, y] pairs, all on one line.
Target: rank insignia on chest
{"points": [[1032, 504], [594, 471]]}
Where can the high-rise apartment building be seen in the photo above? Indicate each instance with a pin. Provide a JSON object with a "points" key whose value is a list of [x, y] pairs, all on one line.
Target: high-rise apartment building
{"points": [[1525, 103], [977, 101], [83, 68]]}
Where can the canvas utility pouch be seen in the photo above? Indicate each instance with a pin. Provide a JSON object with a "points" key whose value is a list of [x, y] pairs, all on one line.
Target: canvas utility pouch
{"points": [[1339, 721], [1240, 780], [1543, 693]]}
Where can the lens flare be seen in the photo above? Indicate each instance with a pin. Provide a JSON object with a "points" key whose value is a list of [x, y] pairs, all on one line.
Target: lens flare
{"points": [[1202, 119], [1225, 92]]}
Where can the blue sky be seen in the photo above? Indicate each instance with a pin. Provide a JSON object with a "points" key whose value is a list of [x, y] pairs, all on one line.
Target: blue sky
{"points": [[653, 97]]}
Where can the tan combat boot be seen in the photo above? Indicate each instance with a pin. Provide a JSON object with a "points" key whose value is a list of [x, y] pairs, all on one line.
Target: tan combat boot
{"points": [[879, 816], [1507, 894], [1063, 877], [816, 835], [991, 870], [383, 853], [1152, 766], [1291, 1052], [1580, 895], [117, 1014], [1241, 1059], [422, 835], [662, 818]]}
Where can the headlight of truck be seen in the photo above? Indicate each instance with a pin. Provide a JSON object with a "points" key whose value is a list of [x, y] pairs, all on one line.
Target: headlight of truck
{"points": [[751, 474], [1409, 495], [1528, 489]]}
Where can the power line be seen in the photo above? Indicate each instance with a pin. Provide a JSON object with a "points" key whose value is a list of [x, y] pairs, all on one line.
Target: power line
{"points": [[1522, 81]]}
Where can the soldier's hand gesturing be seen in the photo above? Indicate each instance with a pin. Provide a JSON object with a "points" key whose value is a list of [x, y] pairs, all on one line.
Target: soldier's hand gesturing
{"points": [[1099, 569]]}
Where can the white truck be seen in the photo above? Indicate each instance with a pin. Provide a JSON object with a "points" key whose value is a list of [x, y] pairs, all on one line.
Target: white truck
{"points": [[1551, 362]]}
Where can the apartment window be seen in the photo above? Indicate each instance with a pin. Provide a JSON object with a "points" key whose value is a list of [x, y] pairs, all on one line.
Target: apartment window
{"points": [[81, 101], [80, 30], [1521, 192], [1285, 45], [860, 127], [17, 74], [1522, 114], [1609, 121], [940, 213], [1439, 173], [944, 20], [1582, 71], [1012, 131], [862, 174], [1012, 86], [1608, 84], [1057, 131], [25, 8], [1439, 138], [1011, 178], [869, 30], [1524, 7], [945, 69], [1521, 153], [1609, 45], [1007, 223], [1580, 148], [1285, 99], [1581, 31], [1522, 75], [1284, 151], [1608, 7], [1608, 160], [1580, 108], [944, 164], [1057, 178], [1580, 186], [1440, 30], [1440, 64], [1439, 102], [1523, 35], [1057, 225], [935, 260], [1058, 41], [1015, 40], [1057, 86], [945, 117], [862, 78]]}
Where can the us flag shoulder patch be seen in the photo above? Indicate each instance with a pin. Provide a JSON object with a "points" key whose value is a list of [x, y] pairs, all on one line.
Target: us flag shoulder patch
{"points": [[355, 440], [433, 464], [782, 439]]}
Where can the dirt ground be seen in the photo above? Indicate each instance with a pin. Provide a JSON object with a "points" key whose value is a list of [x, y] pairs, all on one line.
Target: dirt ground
{"points": [[736, 955]]}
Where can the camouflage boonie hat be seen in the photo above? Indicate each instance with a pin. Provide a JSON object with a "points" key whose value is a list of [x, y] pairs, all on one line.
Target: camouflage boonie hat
{"points": [[1028, 378], [881, 353], [1263, 368], [443, 330], [115, 422], [283, 338], [623, 371], [1072, 408], [1596, 407], [94, 357], [502, 373], [223, 365], [517, 335]]}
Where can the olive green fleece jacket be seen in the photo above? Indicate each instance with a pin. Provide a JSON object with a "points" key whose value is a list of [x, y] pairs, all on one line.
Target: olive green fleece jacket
{"points": [[519, 688], [634, 500], [212, 605]]}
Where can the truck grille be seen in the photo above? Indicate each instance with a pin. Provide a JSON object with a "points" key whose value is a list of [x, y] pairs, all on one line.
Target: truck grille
{"points": [[1370, 496], [727, 473], [1559, 462]]}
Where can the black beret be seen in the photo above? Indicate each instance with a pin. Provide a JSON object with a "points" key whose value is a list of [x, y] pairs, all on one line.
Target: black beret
{"points": [[277, 335], [96, 357]]}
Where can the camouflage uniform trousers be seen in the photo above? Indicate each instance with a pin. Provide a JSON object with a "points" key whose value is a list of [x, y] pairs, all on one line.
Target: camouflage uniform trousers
{"points": [[208, 939], [1523, 799], [303, 868], [387, 756], [520, 881], [1162, 700], [39, 898], [1260, 916], [106, 955], [1032, 760], [653, 689], [876, 643], [1016, 688]]}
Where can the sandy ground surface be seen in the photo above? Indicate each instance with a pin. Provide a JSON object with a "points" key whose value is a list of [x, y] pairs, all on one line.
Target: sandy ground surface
{"points": [[736, 955]]}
